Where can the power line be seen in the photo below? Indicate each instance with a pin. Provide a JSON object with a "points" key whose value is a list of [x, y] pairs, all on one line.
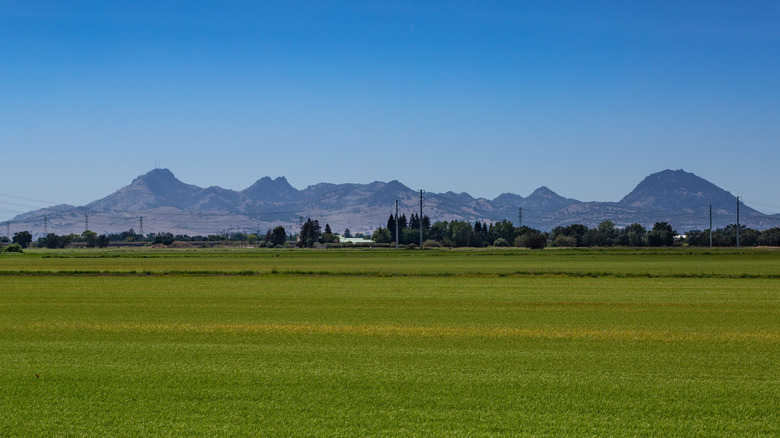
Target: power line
{"points": [[21, 198]]}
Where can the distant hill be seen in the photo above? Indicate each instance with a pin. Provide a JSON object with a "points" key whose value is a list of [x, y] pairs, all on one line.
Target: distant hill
{"points": [[159, 202], [682, 192]]}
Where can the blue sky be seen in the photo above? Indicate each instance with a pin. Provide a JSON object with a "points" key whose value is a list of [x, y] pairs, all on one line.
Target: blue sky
{"points": [[586, 98]]}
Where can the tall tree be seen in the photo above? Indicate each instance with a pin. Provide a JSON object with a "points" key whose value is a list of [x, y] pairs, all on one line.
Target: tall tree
{"points": [[414, 222], [504, 229], [23, 238], [279, 235], [402, 222], [391, 227]]}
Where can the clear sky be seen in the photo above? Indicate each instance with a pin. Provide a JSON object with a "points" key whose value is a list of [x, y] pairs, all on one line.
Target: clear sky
{"points": [[483, 97]]}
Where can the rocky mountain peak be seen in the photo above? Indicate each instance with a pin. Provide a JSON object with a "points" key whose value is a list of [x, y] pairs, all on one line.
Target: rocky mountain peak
{"points": [[678, 191]]}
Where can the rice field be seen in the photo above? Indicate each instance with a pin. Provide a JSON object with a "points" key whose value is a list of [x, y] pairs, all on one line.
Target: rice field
{"points": [[385, 343]]}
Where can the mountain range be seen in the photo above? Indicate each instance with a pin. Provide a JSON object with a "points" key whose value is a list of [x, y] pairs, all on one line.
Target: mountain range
{"points": [[158, 202]]}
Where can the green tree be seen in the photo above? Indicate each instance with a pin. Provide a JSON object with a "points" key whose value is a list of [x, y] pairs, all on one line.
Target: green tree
{"points": [[163, 238], [414, 222], [605, 234], [409, 236], [748, 236], [661, 235], [279, 235], [23, 238], [577, 231], [310, 233], [402, 222], [632, 235], [90, 237], [102, 241], [391, 227], [381, 235], [439, 231], [53, 241], [347, 233], [426, 223], [770, 237], [461, 233], [534, 239], [252, 239], [503, 229], [328, 236]]}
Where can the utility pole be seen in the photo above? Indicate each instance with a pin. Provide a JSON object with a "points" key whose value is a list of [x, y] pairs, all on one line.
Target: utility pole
{"points": [[737, 221], [710, 225], [141, 226], [8, 229], [519, 216], [86, 222], [420, 218], [396, 224], [45, 225]]}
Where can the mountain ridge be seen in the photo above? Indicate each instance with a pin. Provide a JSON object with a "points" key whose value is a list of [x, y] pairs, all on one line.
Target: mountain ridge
{"points": [[168, 204]]}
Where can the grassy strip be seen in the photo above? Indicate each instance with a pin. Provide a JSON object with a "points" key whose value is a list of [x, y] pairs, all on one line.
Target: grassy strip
{"points": [[378, 274], [405, 331]]}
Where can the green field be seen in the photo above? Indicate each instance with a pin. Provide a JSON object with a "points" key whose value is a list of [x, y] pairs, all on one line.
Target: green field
{"points": [[385, 343]]}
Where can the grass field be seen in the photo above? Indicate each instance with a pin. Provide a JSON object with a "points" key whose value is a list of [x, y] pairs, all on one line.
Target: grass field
{"points": [[384, 343]]}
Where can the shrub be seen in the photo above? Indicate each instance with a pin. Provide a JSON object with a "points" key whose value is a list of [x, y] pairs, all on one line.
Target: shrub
{"points": [[431, 244], [500, 242], [565, 241], [13, 248]]}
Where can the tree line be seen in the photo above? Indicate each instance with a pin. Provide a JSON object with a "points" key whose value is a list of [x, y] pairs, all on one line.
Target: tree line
{"points": [[458, 233], [606, 234], [441, 234]]}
